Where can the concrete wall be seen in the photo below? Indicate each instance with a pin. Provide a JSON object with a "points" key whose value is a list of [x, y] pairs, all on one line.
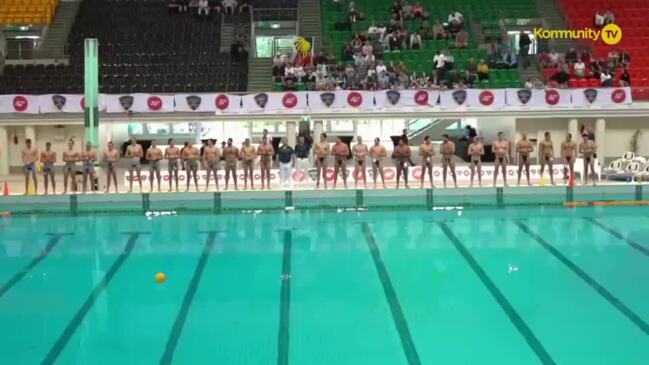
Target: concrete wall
{"points": [[57, 136]]}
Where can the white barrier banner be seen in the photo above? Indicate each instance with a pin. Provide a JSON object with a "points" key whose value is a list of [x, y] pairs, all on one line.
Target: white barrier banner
{"points": [[486, 98], [327, 100], [539, 97], [308, 178], [601, 97], [405, 98], [140, 103], [195, 102], [62, 103], [26, 104]]}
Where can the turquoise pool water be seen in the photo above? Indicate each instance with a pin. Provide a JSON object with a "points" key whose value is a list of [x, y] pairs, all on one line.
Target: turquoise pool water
{"points": [[477, 286]]}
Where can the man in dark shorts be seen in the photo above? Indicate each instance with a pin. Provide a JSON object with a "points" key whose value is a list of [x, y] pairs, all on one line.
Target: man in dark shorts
{"points": [[340, 151], [231, 156], [569, 155], [588, 149], [546, 155], [265, 152], [29, 157], [48, 158], [524, 148], [426, 151], [211, 158], [402, 154], [447, 150], [321, 151], [378, 153], [360, 153], [500, 148]]}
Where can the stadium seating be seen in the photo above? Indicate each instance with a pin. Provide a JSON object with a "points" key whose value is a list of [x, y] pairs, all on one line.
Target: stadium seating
{"points": [[485, 12], [33, 12], [142, 48], [631, 16]]}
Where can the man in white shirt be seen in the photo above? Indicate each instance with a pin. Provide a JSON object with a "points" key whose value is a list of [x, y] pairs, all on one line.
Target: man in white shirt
{"points": [[606, 78], [415, 41], [580, 68], [203, 7], [554, 58], [381, 67], [456, 17], [228, 6], [439, 60], [373, 29], [599, 20]]}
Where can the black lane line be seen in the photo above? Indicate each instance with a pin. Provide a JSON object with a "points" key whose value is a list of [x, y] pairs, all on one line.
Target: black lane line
{"points": [[177, 329], [285, 302], [398, 317], [619, 236], [56, 237], [533, 342], [618, 304], [72, 326]]}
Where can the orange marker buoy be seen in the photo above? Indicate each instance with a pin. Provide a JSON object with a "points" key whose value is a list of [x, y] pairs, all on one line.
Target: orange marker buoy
{"points": [[5, 191], [160, 277]]}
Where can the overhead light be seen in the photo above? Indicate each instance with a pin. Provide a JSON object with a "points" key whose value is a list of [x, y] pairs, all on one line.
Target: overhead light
{"points": [[275, 26], [23, 27], [27, 37]]}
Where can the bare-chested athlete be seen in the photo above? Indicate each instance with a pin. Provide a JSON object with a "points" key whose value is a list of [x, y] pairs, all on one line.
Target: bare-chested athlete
{"points": [[377, 154], [111, 156], [500, 148], [569, 155], [265, 152], [248, 154], [524, 148], [546, 155], [475, 152], [134, 153], [154, 156], [172, 155], [321, 151], [360, 153], [231, 155], [191, 155], [588, 149], [427, 151], [29, 157], [211, 157], [447, 150], [48, 159], [70, 157], [88, 158], [340, 151], [402, 154]]}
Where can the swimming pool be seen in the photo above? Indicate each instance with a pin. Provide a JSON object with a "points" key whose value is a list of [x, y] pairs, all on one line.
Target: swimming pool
{"points": [[522, 285]]}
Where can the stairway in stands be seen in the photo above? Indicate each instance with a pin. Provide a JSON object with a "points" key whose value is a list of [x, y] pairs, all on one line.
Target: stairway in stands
{"points": [[259, 74], [308, 13], [554, 17], [53, 46]]}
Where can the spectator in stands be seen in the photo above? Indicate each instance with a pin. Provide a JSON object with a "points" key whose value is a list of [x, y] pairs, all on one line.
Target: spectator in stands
{"points": [[571, 56], [625, 78], [534, 83], [357, 43], [415, 41], [406, 10], [229, 6], [469, 78], [595, 69], [624, 58], [449, 60], [373, 32], [524, 43], [278, 69], [599, 19], [613, 58], [439, 60], [580, 69], [462, 39], [483, 71], [438, 31], [509, 60], [454, 80], [418, 11], [586, 57], [424, 30], [395, 42], [606, 78], [554, 58], [321, 77], [395, 11], [380, 67], [456, 18], [609, 18], [453, 28], [348, 53], [471, 66], [245, 7], [353, 14], [561, 78], [203, 7], [299, 72]]}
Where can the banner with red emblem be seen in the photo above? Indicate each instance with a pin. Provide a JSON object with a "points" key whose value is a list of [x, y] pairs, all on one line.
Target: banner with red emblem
{"points": [[139, 103], [601, 97], [221, 103], [494, 98], [405, 98], [323, 101], [25, 104], [539, 97], [274, 101]]}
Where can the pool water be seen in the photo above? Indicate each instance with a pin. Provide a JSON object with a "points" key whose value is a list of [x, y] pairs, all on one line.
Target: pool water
{"points": [[474, 286]]}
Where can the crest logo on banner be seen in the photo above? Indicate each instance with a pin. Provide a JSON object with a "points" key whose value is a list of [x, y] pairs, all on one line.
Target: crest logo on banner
{"points": [[618, 96], [261, 100], [194, 102], [126, 102], [393, 96], [459, 96], [222, 102], [59, 101], [524, 96], [154, 103], [328, 98], [591, 95], [421, 97], [552, 97], [354, 99], [486, 98], [289, 100], [20, 103]]}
